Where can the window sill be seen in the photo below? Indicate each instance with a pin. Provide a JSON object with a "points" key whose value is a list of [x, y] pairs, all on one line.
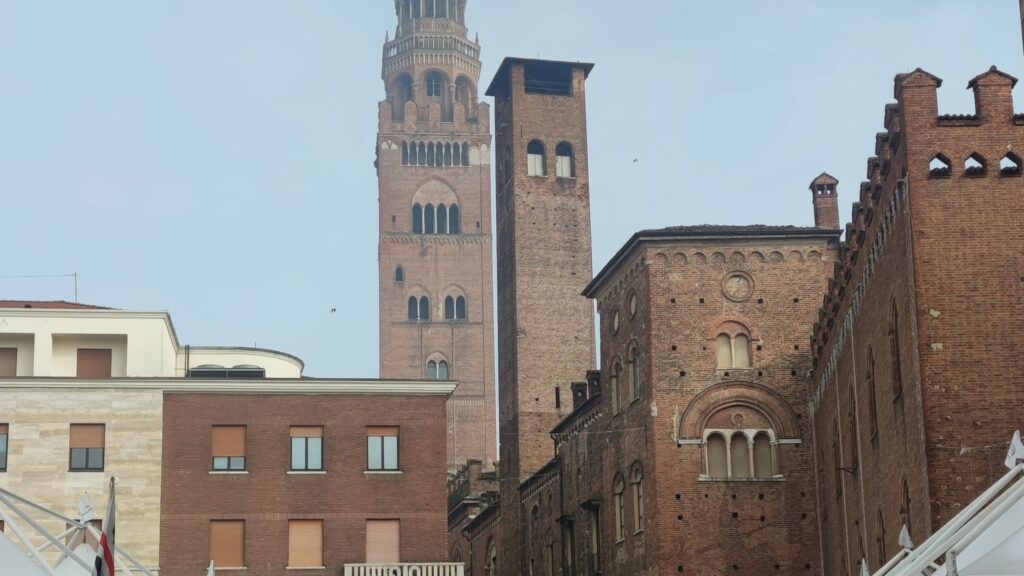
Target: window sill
{"points": [[229, 473], [306, 472], [79, 470], [305, 567], [237, 569], [383, 472]]}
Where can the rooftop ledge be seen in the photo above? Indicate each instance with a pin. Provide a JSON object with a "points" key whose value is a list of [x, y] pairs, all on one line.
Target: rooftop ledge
{"points": [[310, 386]]}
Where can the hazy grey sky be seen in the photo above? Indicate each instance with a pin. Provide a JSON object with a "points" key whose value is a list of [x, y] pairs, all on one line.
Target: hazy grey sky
{"points": [[213, 158]]}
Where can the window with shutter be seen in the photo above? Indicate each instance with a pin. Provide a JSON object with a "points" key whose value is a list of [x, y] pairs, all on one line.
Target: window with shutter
{"points": [[227, 543], [93, 363], [8, 362], [305, 543], [228, 448], [383, 542], [86, 447]]}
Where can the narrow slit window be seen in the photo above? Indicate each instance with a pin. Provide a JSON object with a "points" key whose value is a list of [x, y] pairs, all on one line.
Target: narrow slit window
{"points": [[428, 219], [454, 226], [442, 219]]}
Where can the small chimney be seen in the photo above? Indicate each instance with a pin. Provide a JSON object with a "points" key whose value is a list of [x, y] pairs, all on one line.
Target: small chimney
{"points": [[826, 202], [579, 394]]}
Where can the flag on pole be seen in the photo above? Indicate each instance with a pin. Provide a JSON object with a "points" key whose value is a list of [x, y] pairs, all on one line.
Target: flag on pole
{"points": [[1016, 453], [904, 539], [105, 555]]}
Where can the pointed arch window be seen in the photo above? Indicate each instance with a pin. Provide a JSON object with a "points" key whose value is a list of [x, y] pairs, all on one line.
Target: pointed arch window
{"points": [[637, 481], [414, 308], [430, 154], [564, 161], [424, 311], [535, 165], [882, 556], [634, 373], [437, 370], [894, 346], [421, 154], [620, 512], [465, 153], [460, 308], [873, 405], [616, 385], [405, 153]]}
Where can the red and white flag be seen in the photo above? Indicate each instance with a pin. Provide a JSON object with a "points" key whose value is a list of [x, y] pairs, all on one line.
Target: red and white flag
{"points": [[105, 555]]}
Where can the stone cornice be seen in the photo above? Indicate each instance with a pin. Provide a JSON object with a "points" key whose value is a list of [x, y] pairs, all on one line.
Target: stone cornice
{"points": [[301, 386]]}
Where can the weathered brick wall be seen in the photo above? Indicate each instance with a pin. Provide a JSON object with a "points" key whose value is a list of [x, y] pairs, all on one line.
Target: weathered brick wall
{"points": [[546, 334], [942, 249], [267, 496]]}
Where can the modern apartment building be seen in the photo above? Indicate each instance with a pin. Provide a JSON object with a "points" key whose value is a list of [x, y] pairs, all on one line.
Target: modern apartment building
{"points": [[223, 454]]}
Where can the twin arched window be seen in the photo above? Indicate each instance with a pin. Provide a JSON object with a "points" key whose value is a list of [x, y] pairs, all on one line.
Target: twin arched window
{"points": [[455, 308], [536, 160], [436, 220], [738, 455], [419, 309], [437, 370], [733, 350]]}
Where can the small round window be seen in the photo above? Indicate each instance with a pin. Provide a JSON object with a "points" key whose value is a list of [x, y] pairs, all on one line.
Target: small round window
{"points": [[615, 322], [632, 306]]}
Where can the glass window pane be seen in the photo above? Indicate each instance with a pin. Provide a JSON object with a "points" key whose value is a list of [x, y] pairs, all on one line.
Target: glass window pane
{"points": [[78, 458], [220, 463], [237, 462], [3, 451], [316, 453], [391, 453], [298, 453], [95, 457], [374, 459]]}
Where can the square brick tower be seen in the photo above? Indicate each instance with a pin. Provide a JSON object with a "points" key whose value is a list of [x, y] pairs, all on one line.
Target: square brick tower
{"points": [[433, 168], [546, 326]]}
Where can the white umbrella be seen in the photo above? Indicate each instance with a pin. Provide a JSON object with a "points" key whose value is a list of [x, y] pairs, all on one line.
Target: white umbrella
{"points": [[14, 561]]}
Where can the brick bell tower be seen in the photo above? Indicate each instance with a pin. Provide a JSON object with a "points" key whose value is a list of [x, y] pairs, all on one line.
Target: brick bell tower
{"points": [[434, 174]]}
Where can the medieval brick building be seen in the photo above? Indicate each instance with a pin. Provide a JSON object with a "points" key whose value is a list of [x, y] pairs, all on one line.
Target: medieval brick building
{"points": [[433, 165], [768, 399], [913, 371]]}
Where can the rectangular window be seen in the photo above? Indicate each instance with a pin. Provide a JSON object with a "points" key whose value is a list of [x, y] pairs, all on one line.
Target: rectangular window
{"points": [[620, 520], [227, 543], [87, 442], [94, 363], [3, 447], [305, 543], [568, 548], [383, 539], [8, 362], [229, 448], [307, 448], [382, 448], [595, 542]]}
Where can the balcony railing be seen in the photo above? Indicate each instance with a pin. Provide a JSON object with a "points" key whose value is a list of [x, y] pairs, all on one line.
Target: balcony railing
{"points": [[413, 569]]}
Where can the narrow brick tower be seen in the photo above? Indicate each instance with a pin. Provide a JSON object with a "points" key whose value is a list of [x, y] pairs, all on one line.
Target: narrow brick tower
{"points": [[545, 324], [433, 168]]}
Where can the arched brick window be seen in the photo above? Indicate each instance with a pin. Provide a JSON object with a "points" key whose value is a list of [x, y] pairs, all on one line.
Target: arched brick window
{"points": [[636, 479], [717, 456], [739, 444], [732, 346], [442, 219], [399, 274], [564, 161], [535, 162], [454, 226], [739, 457], [428, 219], [417, 219], [763, 467], [435, 85], [616, 387]]}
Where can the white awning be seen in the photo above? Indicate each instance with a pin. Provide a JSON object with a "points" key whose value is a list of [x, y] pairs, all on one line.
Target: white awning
{"points": [[15, 561], [985, 539]]}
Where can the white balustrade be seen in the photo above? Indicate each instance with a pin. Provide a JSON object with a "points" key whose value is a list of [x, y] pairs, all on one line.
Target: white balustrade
{"points": [[409, 569]]}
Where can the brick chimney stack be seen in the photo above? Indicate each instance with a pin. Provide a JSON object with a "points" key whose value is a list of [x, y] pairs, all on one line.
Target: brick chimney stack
{"points": [[826, 202]]}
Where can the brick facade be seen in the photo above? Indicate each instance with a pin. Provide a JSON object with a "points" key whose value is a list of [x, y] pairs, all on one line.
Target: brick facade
{"points": [[911, 389], [345, 496], [433, 149]]}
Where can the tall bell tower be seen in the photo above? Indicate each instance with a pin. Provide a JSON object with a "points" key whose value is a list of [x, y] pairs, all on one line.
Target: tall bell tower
{"points": [[435, 245]]}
